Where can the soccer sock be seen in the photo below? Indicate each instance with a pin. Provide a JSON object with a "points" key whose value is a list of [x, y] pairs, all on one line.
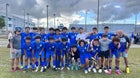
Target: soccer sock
{"points": [[30, 64], [26, 67], [54, 63], [21, 63], [117, 68], [94, 66], [110, 68], [36, 63]]}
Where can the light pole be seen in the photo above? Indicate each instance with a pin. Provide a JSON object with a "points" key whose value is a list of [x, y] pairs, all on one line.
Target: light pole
{"points": [[86, 20], [136, 23], [47, 17], [98, 14], [24, 17], [6, 21], [28, 18], [54, 20]]}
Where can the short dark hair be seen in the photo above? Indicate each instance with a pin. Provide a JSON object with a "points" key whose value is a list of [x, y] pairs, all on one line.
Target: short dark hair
{"points": [[96, 39], [80, 28], [27, 27], [64, 39], [51, 29], [41, 28], [73, 28], [37, 37], [57, 29], [35, 28], [74, 46], [51, 38], [104, 35], [64, 28], [81, 42], [116, 39], [28, 38], [94, 28], [106, 27]]}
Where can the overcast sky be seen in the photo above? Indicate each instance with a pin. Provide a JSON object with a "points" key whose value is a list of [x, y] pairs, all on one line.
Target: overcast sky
{"points": [[73, 11]]}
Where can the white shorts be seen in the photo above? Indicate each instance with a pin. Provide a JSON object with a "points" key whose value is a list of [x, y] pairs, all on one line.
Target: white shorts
{"points": [[15, 54], [124, 54]]}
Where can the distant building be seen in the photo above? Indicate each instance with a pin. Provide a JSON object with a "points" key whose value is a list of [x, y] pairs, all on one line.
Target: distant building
{"points": [[127, 28], [16, 21]]}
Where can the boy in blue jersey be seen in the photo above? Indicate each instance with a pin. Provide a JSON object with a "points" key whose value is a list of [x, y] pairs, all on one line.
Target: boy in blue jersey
{"points": [[114, 51], [75, 57], [106, 31], [93, 34], [34, 33], [125, 45], [65, 48], [95, 49], [50, 52], [58, 38], [42, 34], [72, 36], [50, 34], [23, 40], [65, 33], [38, 51], [84, 56], [27, 47]]}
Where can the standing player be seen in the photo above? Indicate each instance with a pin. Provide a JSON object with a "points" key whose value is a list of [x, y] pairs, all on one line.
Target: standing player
{"points": [[34, 33], [84, 56], [72, 36], [93, 34], [81, 35], [104, 54], [38, 51], [125, 45], [42, 34], [50, 52], [15, 44], [114, 51], [23, 40], [65, 48], [50, 34], [65, 33], [27, 47], [58, 37]]}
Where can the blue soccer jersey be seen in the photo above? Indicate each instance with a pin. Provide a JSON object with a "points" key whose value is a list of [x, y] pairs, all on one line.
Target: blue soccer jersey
{"points": [[23, 37], [49, 35], [33, 35], [57, 37], [50, 47], [114, 50], [83, 49], [64, 48], [93, 36], [43, 37], [28, 49], [38, 47], [72, 37], [65, 35], [110, 35], [96, 49]]}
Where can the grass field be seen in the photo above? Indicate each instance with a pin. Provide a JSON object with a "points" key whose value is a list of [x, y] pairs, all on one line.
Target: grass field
{"points": [[134, 62]]}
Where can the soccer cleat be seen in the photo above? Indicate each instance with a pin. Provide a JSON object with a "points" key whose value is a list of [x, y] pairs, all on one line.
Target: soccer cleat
{"points": [[62, 68], [12, 69], [118, 72], [94, 70], [109, 71], [17, 68], [45, 67], [100, 70], [106, 71], [86, 71], [89, 69], [72, 67], [42, 69], [37, 68], [68, 68], [21, 66], [127, 70]]}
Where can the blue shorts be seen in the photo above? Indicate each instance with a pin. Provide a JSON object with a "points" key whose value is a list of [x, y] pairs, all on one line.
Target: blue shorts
{"points": [[115, 53], [83, 57], [63, 53], [36, 55], [123, 54], [58, 53], [49, 54], [28, 55]]}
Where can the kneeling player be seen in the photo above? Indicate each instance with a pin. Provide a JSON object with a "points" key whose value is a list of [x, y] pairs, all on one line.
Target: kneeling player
{"points": [[114, 50], [75, 58]]}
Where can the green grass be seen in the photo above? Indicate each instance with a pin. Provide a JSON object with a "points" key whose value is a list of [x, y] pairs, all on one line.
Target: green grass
{"points": [[5, 69]]}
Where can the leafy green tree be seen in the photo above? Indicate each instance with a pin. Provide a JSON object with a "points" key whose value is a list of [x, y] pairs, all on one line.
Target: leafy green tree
{"points": [[2, 22]]}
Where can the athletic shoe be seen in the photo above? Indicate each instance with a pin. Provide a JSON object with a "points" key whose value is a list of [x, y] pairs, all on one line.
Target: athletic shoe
{"points": [[89, 69], [21, 66], [106, 71], [94, 70], [86, 71], [68, 68], [127, 70], [17, 68], [109, 71], [62, 68], [12, 69], [118, 72], [42, 69], [45, 67], [100, 70], [72, 67], [37, 68]]}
